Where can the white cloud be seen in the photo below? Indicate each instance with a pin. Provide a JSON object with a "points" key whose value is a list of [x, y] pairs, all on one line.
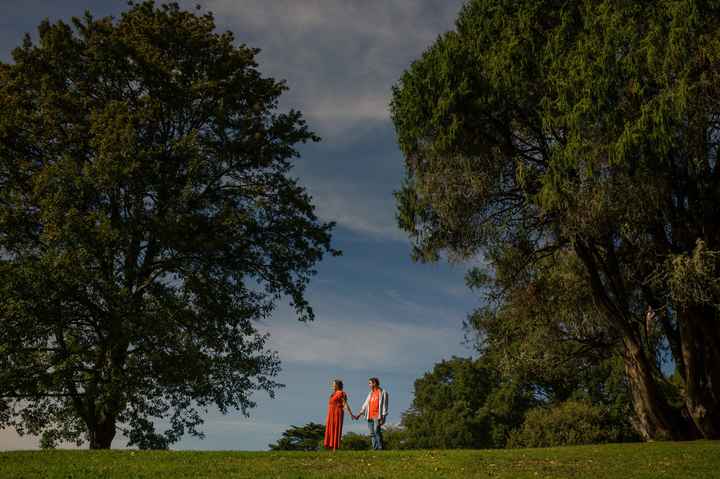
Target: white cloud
{"points": [[351, 342], [335, 117], [340, 60], [362, 211], [340, 57]]}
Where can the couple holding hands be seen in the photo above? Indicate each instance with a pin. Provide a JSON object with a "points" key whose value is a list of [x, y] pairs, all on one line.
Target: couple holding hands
{"points": [[375, 409]]}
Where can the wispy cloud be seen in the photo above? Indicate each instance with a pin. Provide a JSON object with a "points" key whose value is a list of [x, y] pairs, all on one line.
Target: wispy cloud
{"points": [[363, 344], [366, 332], [361, 210], [340, 58]]}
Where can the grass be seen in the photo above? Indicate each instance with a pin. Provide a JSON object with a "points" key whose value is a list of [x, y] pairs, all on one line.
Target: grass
{"points": [[699, 459]]}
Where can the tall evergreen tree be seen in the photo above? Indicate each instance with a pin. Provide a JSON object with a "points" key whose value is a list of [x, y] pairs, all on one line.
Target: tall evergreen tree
{"points": [[588, 128]]}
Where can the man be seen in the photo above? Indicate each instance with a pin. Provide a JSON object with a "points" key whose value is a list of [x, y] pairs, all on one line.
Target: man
{"points": [[375, 409]]}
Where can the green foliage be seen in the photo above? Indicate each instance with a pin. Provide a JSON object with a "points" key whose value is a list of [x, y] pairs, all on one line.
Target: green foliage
{"points": [[545, 331], [300, 438], [564, 424], [47, 441], [395, 438], [147, 218], [543, 326], [694, 278], [462, 403], [353, 441], [542, 343], [579, 133], [466, 403]]}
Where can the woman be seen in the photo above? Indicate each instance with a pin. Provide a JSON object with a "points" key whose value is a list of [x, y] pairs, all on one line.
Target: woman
{"points": [[334, 423]]}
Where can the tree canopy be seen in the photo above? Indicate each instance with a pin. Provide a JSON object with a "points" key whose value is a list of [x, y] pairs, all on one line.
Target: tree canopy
{"points": [[540, 130], [147, 219]]}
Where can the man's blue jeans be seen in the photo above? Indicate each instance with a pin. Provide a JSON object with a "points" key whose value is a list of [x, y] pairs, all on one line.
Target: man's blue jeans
{"points": [[375, 434]]}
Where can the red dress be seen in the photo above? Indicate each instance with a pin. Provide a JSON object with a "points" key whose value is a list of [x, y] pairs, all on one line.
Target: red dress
{"points": [[334, 422]]}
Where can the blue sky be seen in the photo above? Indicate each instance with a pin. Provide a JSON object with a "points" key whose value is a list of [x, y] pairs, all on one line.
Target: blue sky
{"points": [[377, 312]]}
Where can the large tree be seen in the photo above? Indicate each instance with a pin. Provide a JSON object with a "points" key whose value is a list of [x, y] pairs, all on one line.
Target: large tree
{"points": [[586, 128], [147, 219]]}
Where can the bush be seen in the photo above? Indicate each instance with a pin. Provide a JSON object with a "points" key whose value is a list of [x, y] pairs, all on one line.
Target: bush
{"points": [[395, 437], [567, 423], [301, 438], [353, 441]]}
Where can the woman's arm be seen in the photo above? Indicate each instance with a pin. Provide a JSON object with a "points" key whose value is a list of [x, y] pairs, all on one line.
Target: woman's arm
{"points": [[346, 405]]}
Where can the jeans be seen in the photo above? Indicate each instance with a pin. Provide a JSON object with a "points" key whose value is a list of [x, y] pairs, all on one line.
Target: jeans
{"points": [[375, 434]]}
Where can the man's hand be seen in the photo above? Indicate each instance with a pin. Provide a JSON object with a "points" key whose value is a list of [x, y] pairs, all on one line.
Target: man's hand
{"points": [[381, 421]]}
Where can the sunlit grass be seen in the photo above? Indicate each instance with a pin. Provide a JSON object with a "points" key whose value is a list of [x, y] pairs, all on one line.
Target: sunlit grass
{"points": [[655, 460]]}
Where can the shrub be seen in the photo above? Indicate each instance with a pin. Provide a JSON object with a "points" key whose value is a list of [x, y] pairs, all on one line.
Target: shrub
{"points": [[301, 438], [353, 441], [395, 437], [568, 423]]}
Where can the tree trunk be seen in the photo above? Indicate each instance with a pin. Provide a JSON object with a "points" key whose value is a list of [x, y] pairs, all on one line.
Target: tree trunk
{"points": [[102, 433], [700, 339], [656, 419]]}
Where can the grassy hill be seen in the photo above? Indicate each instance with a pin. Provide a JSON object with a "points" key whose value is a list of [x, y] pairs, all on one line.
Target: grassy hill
{"points": [[655, 460]]}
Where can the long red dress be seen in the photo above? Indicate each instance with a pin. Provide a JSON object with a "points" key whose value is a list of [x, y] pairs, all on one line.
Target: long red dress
{"points": [[334, 422]]}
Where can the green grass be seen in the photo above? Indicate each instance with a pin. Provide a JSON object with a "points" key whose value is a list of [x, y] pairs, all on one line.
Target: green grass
{"points": [[655, 460]]}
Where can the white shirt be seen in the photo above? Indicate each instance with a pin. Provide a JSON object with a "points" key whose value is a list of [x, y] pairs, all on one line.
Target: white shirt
{"points": [[382, 407]]}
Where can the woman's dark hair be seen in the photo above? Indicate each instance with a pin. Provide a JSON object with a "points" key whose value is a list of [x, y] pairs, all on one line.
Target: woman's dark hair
{"points": [[375, 381], [339, 384]]}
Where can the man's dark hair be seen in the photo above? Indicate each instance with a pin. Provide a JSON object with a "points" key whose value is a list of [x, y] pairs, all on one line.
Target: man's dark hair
{"points": [[375, 381]]}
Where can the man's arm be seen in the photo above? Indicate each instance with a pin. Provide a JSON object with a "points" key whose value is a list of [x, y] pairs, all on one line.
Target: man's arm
{"points": [[386, 406], [364, 407]]}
